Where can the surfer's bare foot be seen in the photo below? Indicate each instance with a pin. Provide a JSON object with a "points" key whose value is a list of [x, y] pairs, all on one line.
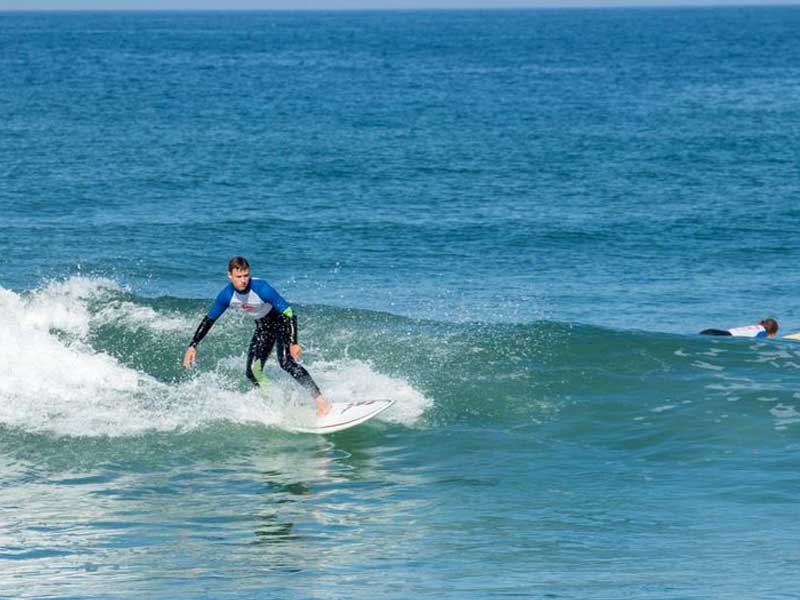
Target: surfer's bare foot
{"points": [[323, 406]]}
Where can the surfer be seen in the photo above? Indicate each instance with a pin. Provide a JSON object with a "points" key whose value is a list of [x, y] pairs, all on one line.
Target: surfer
{"points": [[765, 328], [276, 323]]}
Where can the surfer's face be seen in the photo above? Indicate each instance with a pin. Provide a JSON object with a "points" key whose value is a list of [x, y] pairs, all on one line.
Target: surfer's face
{"points": [[239, 278]]}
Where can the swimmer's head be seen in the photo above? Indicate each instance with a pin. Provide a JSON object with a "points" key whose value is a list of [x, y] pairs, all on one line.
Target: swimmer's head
{"points": [[771, 325]]}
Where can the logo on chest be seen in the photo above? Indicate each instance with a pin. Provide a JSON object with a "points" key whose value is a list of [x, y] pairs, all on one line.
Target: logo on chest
{"points": [[245, 304]]}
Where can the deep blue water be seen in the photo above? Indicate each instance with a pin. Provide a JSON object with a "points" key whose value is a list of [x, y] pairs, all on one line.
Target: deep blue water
{"points": [[512, 223]]}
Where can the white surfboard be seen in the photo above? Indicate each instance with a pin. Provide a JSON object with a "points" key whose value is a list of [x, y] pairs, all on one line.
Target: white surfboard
{"points": [[343, 415]]}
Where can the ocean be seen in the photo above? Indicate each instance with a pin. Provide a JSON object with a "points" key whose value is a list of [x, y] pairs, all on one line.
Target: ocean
{"points": [[512, 223]]}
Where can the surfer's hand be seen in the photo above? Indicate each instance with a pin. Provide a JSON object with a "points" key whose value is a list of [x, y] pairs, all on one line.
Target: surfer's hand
{"points": [[296, 351], [189, 357], [323, 406]]}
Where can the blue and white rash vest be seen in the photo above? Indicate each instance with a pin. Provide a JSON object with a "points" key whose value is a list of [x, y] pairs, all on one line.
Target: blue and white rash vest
{"points": [[751, 331], [256, 301]]}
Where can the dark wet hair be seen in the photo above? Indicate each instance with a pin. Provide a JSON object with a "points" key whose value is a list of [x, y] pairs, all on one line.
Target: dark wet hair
{"points": [[771, 325], [238, 262]]}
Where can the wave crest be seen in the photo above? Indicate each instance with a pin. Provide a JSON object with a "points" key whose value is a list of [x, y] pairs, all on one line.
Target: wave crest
{"points": [[69, 350]]}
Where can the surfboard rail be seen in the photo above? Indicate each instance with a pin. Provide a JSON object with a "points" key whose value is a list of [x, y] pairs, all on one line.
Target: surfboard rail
{"points": [[343, 415]]}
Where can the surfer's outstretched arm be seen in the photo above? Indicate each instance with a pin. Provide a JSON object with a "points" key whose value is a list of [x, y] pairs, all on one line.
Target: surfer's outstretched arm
{"points": [[191, 352], [220, 305]]}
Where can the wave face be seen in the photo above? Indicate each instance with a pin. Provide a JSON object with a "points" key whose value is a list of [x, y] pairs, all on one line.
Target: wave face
{"points": [[552, 454], [84, 357]]}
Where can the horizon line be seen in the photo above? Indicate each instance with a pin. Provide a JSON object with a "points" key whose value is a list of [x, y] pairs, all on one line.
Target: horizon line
{"points": [[622, 4]]}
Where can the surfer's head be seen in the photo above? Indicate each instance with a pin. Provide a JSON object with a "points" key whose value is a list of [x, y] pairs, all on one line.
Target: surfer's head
{"points": [[239, 272], [771, 325]]}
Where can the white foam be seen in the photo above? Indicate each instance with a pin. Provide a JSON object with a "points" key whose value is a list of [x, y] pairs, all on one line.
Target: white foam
{"points": [[58, 305], [42, 377], [52, 381], [136, 317], [349, 380], [284, 404]]}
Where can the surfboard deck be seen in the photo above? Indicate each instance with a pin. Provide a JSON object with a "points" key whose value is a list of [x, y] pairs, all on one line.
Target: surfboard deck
{"points": [[343, 415], [792, 336]]}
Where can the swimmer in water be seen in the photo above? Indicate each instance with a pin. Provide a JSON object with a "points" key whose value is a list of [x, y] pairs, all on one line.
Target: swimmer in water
{"points": [[765, 328]]}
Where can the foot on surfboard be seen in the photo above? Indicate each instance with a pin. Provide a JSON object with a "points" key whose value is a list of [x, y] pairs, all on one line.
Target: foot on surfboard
{"points": [[323, 406], [342, 415]]}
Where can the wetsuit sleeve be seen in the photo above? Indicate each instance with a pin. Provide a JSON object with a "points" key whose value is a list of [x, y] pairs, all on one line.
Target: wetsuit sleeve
{"points": [[202, 330], [221, 303], [289, 325]]}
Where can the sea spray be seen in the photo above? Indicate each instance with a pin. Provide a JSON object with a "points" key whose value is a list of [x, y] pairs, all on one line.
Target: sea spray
{"points": [[81, 357]]}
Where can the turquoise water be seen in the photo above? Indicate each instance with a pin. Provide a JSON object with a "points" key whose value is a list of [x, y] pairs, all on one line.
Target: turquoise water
{"points": [[511, 223]]}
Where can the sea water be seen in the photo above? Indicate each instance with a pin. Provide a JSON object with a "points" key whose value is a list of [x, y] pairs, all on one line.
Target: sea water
{"points": [[511, 223]]}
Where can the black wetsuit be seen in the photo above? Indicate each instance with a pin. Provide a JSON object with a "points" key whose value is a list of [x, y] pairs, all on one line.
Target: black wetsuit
{"points": [[276, 328]]}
